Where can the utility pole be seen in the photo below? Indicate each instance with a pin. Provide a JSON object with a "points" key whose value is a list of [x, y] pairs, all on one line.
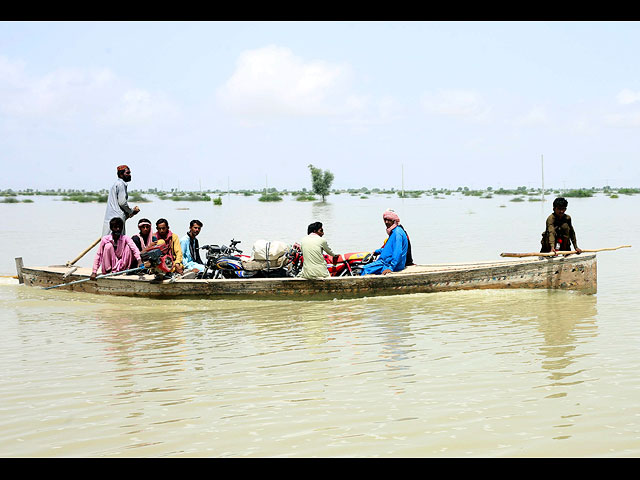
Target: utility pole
{"points": [[542, 162]]}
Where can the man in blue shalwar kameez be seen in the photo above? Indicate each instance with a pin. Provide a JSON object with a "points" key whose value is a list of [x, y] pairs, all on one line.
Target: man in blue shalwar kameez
{"points": [[393, 254]]}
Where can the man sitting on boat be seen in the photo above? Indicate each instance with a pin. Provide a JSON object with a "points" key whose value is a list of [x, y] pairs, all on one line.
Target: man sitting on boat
{"points": [[191, 248], [313, 246], [116, 252], [559, 233], [175, 251], [143, 239], [393, 254]]}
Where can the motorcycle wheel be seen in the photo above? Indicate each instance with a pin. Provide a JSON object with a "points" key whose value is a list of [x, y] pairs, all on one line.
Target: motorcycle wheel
{"points": [[356, 271]]}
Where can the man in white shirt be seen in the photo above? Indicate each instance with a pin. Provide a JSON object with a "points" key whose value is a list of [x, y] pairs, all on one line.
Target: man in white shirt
{"points": [[117, 203], [313, 245]]}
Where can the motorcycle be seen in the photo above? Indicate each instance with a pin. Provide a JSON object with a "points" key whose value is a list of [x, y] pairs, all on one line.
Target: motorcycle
{"points": [[228, 262], [347, 264]]}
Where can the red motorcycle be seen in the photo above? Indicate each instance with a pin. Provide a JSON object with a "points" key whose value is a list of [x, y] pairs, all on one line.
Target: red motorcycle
{"points": [[347, 264]]}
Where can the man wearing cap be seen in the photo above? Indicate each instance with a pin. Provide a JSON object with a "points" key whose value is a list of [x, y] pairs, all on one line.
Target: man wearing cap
{"points": [[117, 204], [393, 254]]}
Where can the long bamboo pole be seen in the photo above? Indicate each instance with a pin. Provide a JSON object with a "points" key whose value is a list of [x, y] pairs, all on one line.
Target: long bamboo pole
{"points": [[84, 252], [559, 252]]}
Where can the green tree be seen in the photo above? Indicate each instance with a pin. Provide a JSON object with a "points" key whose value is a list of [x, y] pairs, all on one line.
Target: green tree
{"points": [[321, 181]]}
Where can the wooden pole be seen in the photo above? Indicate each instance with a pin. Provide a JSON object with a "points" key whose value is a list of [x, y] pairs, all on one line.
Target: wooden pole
{"points": [[19, 266], [99, 276], [84, 253], [550, 254]]}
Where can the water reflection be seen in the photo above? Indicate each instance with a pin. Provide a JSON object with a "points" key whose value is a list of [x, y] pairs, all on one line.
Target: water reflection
{"points": [[565, 321], [323, 211]]}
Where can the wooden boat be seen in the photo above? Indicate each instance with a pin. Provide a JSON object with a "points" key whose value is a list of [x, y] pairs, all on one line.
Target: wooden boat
{"points": [[573, 272]]}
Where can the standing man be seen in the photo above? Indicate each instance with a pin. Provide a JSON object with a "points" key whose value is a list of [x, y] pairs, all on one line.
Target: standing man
{"points": [[314, 264], [117, 203], [559, 233], [191, 248], [116, 251]]}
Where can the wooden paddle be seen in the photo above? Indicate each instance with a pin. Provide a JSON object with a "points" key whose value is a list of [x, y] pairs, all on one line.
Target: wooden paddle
{"points": [[84, 253], [559, 252], [99, 276]]}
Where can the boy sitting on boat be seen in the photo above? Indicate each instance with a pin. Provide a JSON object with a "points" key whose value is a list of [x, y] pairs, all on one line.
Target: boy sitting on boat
{"points": [[559, 233]]}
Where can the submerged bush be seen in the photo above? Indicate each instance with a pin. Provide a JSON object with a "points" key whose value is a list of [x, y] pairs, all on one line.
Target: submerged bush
{"points": [[191, 197], [305, 198], [86, 198], [628, 191], [579, 193], [270, 197]]}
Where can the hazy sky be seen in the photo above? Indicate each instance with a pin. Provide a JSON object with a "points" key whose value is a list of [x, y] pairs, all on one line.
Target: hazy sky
{"points": [[247, 104]]}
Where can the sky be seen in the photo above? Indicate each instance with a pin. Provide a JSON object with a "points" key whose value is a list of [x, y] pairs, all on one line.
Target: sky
{"points": [[247, 105]]}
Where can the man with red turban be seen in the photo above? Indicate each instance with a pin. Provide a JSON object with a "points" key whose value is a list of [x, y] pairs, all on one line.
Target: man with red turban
{"points": [[117, 203], [393, 254]]}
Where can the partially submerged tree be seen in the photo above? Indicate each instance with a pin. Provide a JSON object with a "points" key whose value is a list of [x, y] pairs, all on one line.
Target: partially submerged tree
{"points": [[321, 181]]}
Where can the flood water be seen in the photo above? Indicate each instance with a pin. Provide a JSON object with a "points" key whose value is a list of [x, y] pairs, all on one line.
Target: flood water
{"points": [[504, 373]]}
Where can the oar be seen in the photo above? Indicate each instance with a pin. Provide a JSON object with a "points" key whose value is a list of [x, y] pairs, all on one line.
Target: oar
{"points": [[84, 253], [560, 252], [99, 276]]}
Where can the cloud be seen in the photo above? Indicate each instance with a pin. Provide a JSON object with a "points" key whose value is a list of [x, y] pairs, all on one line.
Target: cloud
{"points": [[537, 116], [627, 96], [272, 81], [465, 104], [137, 106], [77, 95], [623, 120]]}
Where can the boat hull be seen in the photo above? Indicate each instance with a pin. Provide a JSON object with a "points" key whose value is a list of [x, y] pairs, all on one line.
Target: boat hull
{"points": [[575, 272]]}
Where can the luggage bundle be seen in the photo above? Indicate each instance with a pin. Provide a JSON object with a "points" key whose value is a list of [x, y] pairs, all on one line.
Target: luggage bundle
{"points": [[267, 255]]}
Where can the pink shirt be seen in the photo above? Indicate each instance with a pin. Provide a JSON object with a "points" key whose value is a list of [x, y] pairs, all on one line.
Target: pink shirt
{"points": [[124, 241]]}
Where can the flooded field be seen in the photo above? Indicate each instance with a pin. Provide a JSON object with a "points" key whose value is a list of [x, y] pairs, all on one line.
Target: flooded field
{"points": [[476, 373]]}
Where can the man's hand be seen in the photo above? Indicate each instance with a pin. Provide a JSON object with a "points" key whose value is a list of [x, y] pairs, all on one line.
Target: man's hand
{"points": [[578, 250], [386, 272], [149, 247], [179, 268], [93, 276]]}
